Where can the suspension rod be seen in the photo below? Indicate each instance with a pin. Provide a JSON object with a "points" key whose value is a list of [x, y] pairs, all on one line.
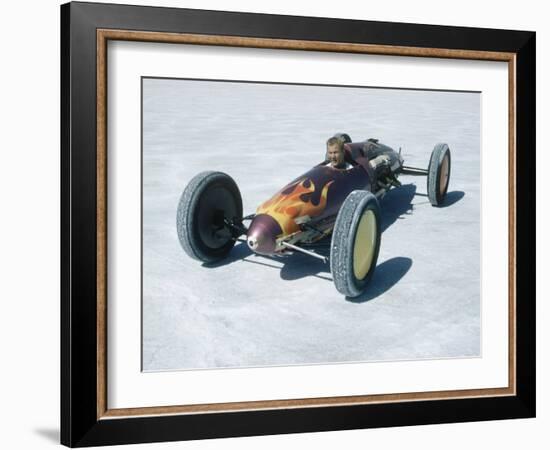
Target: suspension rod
{"points": [[307, 252], [413, 171]]}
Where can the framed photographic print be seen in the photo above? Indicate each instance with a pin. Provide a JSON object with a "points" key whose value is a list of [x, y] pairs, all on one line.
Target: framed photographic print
{"points": [[278, 224]]}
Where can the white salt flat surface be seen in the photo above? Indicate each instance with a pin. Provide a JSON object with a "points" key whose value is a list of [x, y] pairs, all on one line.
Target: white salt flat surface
{"points": [[424, 299]]}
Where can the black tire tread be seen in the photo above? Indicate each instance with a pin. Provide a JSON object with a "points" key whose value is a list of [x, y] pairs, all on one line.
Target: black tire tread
{"points": [[343, 238], [185, 220], [438, 153]]}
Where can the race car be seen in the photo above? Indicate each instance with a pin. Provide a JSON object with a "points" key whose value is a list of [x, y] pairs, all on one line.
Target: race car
{"points": [[326, 201]]}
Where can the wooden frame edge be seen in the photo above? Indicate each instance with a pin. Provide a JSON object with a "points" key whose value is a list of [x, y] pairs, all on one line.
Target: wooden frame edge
{"points": [[303, 403], [101, 190], [103, 35], [512, 200], [289, 44]]}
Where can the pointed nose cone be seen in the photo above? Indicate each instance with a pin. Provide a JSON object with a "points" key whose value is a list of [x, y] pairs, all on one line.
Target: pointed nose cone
{"points": [[262, 233]]}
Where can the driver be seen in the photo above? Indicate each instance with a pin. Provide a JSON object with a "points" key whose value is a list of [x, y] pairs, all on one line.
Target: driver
{"points": [[335, 154]]}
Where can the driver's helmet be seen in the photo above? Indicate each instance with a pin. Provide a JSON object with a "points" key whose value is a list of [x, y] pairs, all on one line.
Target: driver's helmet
{"points": [[343, 137]]}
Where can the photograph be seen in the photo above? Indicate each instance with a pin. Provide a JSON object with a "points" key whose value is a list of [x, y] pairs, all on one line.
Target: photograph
{"points": [[300, 224], [290, 221]]}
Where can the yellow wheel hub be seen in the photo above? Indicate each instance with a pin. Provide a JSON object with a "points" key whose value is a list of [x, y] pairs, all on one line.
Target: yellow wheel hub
{"points": [[365, 244]]}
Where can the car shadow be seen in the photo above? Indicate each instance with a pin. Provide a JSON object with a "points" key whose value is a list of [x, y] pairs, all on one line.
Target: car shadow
{"points": [[452, 198], [397, 204], [300, 266], [237, 253], [386, 275]]}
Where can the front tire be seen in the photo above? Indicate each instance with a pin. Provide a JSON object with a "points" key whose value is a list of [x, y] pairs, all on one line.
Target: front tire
{"points": [[206, 201], [439, 173], [355, 243]]}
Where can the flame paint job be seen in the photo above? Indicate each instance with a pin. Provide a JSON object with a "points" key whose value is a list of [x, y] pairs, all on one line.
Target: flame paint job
{"points": [[298, 199], [315, 195]]}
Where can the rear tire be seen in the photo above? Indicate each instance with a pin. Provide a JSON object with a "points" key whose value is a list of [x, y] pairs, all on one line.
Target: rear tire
{"points": [[206, 201], [355, 243], [439, 174]]}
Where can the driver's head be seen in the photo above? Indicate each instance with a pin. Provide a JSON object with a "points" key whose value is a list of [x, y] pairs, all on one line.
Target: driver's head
{"points": [[335, 151]]}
